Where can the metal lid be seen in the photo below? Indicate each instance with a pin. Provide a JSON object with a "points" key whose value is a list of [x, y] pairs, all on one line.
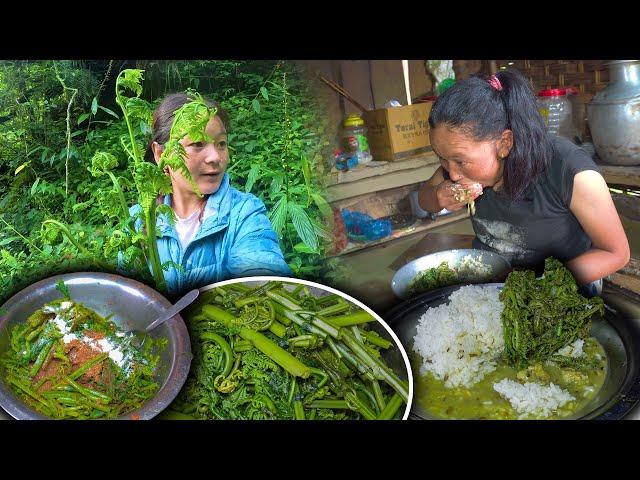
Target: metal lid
{"points": [[624, 86], [557, 92], [353, 120]]}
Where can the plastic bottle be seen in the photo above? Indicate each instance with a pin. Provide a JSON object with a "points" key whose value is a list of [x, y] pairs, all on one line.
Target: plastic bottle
{"points": [[354, 138], [555, 108]]}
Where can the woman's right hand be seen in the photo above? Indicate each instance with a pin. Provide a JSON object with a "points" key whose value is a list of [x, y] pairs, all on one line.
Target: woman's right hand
{"points": [[454, 196]]}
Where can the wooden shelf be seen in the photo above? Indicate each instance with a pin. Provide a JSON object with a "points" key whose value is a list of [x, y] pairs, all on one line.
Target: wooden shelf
{"points": [[368, 179], [417, 227]]}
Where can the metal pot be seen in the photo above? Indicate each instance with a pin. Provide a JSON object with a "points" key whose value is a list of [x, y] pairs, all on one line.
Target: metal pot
{"points": [[614, 115]]}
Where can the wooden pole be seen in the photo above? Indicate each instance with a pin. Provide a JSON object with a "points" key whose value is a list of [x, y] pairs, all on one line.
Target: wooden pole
{"points": [[405, 72]]}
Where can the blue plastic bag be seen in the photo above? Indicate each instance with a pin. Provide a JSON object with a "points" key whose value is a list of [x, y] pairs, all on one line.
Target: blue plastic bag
{"points": [[361, 226]]}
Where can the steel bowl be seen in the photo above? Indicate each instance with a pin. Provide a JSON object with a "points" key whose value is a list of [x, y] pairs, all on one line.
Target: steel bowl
{"points": [[498, 268], [618, 333], [132, 305]]}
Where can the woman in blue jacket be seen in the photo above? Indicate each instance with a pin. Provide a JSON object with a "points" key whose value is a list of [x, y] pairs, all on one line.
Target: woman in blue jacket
{"points": [[226, 233]]}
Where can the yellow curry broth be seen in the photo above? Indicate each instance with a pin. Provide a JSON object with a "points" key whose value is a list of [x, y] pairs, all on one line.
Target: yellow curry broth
{"points": [[481, 401]]}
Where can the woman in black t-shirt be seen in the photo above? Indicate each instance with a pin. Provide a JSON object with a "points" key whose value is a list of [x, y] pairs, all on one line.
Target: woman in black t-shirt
{"points": [[535, 195]]}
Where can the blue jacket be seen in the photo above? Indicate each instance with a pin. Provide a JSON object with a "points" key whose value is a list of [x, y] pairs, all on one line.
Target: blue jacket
{"points": [[236, 240]]}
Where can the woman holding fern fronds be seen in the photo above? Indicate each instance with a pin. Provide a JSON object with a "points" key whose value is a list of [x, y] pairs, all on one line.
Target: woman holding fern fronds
{"points": [[217, 233]]}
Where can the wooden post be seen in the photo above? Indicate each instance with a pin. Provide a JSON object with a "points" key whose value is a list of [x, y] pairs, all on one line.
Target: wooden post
{"points": [[405, 72]]}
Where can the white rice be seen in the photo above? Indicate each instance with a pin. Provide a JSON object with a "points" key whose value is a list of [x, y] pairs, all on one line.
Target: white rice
{"points": [[460, 342], [472, 268], [533, 398], [573, 350]]}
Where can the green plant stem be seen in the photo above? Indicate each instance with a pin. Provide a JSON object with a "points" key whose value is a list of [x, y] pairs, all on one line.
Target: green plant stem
{"points": [[379, 396], [392, 407], [333, 404], [351, 319], [298, 410], [226, 349], [116, 185], [152, 245], [334, 309], [278, 329], [75, 91], [375, 339], [42, 356], [25, 239], [289, 312], [359, 406], [380, 371], [283, 358], [137, 158], [87, 365]]}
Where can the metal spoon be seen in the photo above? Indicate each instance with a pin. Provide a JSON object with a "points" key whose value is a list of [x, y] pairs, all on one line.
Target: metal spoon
{"points": [[181, 304], [138, 337]]}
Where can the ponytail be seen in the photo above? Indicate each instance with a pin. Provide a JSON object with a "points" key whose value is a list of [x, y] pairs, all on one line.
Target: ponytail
{"points": [[484, 108]]}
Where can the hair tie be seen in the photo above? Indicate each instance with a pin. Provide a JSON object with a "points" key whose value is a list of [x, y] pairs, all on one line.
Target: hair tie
{"points": [[495, 82]]}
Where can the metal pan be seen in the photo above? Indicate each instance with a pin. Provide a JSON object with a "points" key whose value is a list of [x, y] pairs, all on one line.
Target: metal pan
{"points": [[132, 305], [617, 333]]}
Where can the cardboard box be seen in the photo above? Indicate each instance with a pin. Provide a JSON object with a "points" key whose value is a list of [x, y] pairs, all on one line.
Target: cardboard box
{"points": [[398, 132]]}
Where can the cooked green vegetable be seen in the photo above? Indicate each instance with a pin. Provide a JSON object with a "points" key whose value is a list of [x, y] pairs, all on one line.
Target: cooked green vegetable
{"points": [[438, 277], [541, 316], [322, 361], [57, 366]]}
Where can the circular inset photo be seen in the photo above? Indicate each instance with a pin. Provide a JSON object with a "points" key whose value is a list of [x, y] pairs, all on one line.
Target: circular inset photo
{"points": [[289, 349]]}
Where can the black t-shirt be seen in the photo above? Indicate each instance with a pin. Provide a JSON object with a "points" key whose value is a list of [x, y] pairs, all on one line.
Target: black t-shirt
{"points": [[540, 224]]}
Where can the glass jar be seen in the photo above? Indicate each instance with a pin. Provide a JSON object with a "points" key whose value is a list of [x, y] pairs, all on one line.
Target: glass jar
{"points": [[556, 110], [354, 138]]}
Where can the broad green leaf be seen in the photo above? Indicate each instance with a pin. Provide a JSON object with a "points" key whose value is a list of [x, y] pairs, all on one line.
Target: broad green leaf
{"points": [[324, 231], [323, 206], [94, 106], [252, 177], [302, 224], [278, 215], [110, 112], [83, 117], [7, 241], [256, 105], [35, 150], [303, 248], [35, 186], [9, 259], [249, 146], [265, 93], [276, 184], [22, 167], [306, 172]]}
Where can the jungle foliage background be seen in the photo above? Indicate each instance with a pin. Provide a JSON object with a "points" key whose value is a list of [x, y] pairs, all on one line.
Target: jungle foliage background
{"points": [[54, 115]]}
